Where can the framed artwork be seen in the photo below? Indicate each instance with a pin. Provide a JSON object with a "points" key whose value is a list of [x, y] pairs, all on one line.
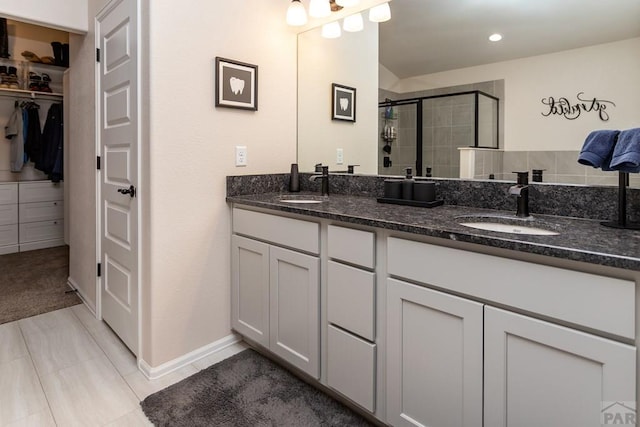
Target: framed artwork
{"points": [[236, 84], [343, 103]]}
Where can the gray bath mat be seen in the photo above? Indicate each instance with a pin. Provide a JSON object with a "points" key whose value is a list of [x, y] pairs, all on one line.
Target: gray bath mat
{"points": [[246, 390]]}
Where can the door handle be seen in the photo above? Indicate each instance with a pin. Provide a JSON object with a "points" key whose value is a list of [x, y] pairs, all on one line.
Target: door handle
{"points": [[131, 191]]}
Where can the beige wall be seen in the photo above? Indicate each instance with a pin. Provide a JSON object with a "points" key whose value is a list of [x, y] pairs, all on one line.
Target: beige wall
{"points": [[351, 60], [69, 15], [191, 150], [609, 71]]}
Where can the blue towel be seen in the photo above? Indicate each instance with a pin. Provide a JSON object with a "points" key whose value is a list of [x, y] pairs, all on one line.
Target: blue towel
{"points": [[598, 149], [626, 154]]}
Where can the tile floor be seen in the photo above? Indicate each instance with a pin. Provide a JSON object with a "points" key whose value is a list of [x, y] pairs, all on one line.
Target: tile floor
{"points": [[65, 368]]}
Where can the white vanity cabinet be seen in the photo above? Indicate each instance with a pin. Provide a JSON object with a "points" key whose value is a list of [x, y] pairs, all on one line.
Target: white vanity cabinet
{"points": [[275, 285], [8, 218], [351, 314], [536, 372]]}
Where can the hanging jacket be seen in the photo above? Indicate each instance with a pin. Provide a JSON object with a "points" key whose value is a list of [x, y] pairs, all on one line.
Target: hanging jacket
{"points": [[33, 143], [52, 143], [13, 131]]}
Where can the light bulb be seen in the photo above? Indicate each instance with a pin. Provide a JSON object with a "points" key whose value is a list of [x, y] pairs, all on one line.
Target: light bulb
{"points": [[296, 15], [331, 30], [347, 3], [353, 23], [319, 8], [380, 13]]}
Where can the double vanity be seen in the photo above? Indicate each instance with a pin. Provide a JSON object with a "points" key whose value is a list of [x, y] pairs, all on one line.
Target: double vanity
{"points": [[451, 316]]}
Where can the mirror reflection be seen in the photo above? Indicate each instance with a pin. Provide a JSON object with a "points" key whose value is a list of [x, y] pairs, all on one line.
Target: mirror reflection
{"points": [[552, 80]]}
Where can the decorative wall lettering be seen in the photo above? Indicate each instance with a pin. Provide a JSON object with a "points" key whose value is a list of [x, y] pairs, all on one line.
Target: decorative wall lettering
{"points": [[564, 107]]}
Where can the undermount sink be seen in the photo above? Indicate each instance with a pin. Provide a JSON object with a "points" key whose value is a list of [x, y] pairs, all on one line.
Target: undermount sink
{"points": [[303, 199], [507, 224]]}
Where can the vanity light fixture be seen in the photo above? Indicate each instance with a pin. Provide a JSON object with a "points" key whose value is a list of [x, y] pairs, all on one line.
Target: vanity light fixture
{"points": [[347, 3], [380, 13], [353, 23], [495, 37], [296, 15], [331, 30], [319, 8]]}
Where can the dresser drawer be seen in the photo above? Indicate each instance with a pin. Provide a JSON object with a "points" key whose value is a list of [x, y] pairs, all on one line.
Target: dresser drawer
{"points": [[566, 295], [289, 232], [353, 246], [351, 367], [41, 211], [40, 191], [8, 234], [8, 193], [43, 230], [351, 299], [8, 214]]}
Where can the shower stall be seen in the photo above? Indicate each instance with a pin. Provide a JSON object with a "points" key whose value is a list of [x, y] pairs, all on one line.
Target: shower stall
{"points": [[425, 133]]}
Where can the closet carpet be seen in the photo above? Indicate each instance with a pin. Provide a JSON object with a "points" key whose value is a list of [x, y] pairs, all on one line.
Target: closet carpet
{"points": [[34, 282], [246, 390]]}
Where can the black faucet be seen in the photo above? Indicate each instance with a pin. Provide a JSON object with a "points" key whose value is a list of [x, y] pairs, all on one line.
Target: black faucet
{"points": [[351, 168], [324, 189], [521, 191]]}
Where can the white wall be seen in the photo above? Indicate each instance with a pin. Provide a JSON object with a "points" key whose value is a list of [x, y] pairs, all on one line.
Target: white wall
{"points": [[191, 151], [351, 60], [607, 71], [68, 15]]}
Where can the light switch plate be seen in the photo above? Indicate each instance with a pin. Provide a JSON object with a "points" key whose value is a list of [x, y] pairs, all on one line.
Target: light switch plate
{"points": [[241, 155], [339, 156]]}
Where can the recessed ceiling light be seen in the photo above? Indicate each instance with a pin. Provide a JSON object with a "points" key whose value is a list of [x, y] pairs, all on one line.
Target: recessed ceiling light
{"points": [[495, 37]]}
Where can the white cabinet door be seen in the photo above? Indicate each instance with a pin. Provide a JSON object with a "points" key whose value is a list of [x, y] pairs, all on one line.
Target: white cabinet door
{"points": [[294, 312], [541, 374], [434, 358], [250, 289]]}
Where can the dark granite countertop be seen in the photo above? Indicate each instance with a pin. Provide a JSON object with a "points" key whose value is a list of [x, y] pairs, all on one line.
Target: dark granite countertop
{"points": [[582, 240]]}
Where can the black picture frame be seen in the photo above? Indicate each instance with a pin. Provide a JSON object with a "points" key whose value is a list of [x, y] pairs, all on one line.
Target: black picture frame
{"points": [[236, 84], [343, 103]]}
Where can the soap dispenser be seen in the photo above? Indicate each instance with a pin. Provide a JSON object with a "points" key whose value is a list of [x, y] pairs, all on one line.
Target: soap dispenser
{"points": [[407, 185]]}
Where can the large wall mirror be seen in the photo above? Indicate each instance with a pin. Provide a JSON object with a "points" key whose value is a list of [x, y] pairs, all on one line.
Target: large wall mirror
{"points": [[561, 70]]}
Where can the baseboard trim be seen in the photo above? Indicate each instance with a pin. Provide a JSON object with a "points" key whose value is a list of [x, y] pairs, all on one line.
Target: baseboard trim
{"points": [[74, 285], [152, 373]]}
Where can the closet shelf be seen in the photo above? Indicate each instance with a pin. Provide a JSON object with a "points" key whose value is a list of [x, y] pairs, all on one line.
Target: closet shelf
{"points": [[28, 94]]}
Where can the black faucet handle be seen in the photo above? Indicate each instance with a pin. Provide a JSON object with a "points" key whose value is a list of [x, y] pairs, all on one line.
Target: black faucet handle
{"points": [[523, 177], [318, 167], [351, 168], [325, 170]]}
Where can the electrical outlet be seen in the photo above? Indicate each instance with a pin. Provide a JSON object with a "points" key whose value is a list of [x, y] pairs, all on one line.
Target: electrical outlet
{"points": [[339, 156], [241, 155]]}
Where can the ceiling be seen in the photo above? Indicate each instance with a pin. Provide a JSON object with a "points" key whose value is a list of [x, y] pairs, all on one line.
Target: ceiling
{"points": [[428, 36]]}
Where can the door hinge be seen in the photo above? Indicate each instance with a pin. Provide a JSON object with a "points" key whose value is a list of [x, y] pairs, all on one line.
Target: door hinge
{"points": [[99, 270], [98, 162], [97, 54]]}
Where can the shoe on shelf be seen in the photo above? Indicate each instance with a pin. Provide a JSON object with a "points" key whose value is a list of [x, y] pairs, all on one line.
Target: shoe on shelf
{"points": [[44, 86], [30, 56], [34, 82]]}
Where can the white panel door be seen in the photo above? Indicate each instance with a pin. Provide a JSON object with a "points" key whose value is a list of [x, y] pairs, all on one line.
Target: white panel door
{"points": [[250, 288], [540, 374], [434, 358], [119, 136], [294, 325]]}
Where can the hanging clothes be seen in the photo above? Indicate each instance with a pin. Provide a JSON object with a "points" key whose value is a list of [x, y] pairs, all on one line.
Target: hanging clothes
{"points": [[33, 142], [14, 132], [52, 144]]}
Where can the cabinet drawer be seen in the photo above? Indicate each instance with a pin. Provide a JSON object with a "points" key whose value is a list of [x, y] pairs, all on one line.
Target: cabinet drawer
{"points": [[293, 233], [571, 296], [41, 211], [352, 246], [8, 193], [43, 230], [351, 367], [8, 234], [40, 191], [8, 214], [351, 299]]}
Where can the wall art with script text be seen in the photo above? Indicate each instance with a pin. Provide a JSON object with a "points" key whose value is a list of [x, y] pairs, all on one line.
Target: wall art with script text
{"points": [[571, 110]]}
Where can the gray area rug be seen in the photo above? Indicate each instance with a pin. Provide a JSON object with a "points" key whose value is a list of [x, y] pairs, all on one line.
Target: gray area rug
{"points": [[246, 390], [34, 282]]}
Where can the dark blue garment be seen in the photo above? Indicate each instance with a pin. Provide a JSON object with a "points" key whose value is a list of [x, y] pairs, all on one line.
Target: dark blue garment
{"points": [[52, 144], [626, 155], [25, 132], [598, 149]]}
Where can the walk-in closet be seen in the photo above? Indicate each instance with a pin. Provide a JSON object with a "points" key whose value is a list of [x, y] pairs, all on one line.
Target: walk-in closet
{"points": [[34, 252]]}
